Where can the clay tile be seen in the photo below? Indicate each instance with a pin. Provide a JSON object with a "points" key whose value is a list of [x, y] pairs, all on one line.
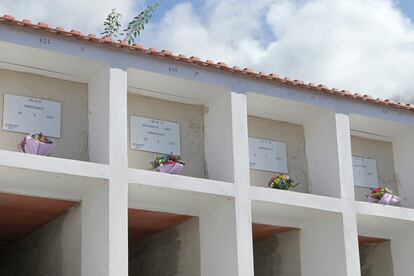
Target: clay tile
{"points": [[222, 64], [9, 17], [236, 68], [123, 42], [75, 32], [27, 22], [43, 25], [312, 85], [249, 70], [368, 97], [107, 39], [182, 56], [60, 29], [138, 46], [345, 92], [209, 61], [93, 36], [195, 58], [166, 52], [274, 76]]}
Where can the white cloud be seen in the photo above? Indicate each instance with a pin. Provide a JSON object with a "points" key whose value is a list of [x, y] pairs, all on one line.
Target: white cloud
{"points": [[365, 46], [84, 15]]}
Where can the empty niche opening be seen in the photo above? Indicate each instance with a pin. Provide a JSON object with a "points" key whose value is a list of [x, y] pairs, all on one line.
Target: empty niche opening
{"points": [[183, 136], [277, 148], [373, 166], [39, 236], [57, 108], [163, 244], [375, 256], [276, 251]]}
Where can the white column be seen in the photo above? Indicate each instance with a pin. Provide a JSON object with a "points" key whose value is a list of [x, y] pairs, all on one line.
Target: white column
{"points": [[323, 249], [328, 149], [105, 208], [402, 251], [227, 154], [218, 242], [403, 161]]}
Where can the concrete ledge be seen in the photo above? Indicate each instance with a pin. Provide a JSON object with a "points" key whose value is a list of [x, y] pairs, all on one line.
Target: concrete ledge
{"points": [[179, 182], [384, 211], [323, 203], [20, 160]]}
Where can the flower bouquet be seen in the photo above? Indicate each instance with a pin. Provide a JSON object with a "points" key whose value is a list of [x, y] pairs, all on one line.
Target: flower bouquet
{"points": [[168, 163], [38, 144], [282, 182], [383, 196]]}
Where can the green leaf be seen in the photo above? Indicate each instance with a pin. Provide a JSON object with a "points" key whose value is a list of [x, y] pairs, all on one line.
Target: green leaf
{"points": [[137, 25]]}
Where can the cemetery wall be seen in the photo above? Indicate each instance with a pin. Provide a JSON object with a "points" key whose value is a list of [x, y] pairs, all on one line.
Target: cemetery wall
{"points": [[376, 259]]}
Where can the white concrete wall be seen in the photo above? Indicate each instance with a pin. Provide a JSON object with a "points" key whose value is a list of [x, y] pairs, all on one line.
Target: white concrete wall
{"points": [[173, 252], [294, 137], [376, 259], [328, 150], [53, 250], [278, 255], [73, 143], [383, 153], [403, 156], [191, 120]]}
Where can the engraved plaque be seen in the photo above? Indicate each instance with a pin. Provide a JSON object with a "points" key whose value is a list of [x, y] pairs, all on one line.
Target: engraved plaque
{"points": [[31, 115], [155, 135], [268, 155], [365, 172]]}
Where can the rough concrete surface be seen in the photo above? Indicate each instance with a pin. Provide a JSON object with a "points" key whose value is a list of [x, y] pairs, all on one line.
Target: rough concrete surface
{"points": [[278, 255], [294, 137], [73, 143], [53, 250], [173, 252], [191, 120], [383, 153], [376, 259]]}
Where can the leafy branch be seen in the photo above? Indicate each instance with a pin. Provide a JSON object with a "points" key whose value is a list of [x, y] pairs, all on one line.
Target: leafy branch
{"points": [[112, 24]]}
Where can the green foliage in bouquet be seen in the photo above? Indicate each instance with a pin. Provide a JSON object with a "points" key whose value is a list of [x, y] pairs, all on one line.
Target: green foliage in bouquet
{"points": [[166, 159], [282, 182]]}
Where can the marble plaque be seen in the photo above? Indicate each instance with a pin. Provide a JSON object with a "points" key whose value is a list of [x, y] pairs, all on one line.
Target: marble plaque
{"points": [[268, 155], [155, 135], [31, 115], [365, 172]]}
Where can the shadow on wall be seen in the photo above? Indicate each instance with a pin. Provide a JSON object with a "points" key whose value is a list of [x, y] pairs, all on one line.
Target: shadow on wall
{"points": [[376, 259], [53, 250], [175, 251], [278, 255]]}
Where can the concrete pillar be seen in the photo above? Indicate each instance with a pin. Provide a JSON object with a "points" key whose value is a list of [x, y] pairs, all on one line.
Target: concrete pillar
{"points": [[403, 163], [105, 208], [218, 242], [227, 154], [328, 150], [402, 250], [323, 250]]}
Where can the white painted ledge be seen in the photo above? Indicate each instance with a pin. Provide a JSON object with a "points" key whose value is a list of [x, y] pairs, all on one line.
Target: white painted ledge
{"points": [[384, 211], [180, 182], [32, 162], [323, 203]]}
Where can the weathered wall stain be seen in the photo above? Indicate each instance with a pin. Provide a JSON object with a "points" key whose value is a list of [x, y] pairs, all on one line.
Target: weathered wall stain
{"points": [[278, 255], [173, 252], [53, 250], [383, 153], [294, 137], [191, 120]]}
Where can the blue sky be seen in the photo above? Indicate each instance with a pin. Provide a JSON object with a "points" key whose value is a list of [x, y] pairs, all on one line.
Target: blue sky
{"points": [[365, 46]]}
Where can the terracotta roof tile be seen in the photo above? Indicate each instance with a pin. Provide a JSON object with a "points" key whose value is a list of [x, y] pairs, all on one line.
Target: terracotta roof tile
{"points": [[11, 20]]}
